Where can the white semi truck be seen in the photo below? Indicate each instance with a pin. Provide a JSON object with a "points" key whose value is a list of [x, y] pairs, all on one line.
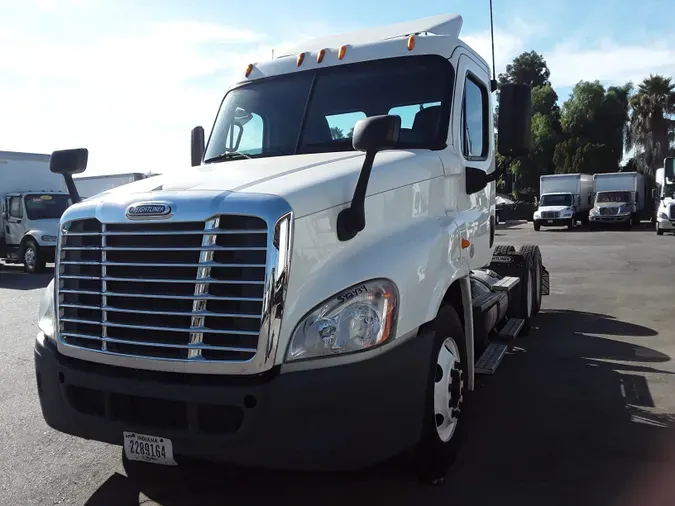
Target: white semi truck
{"points": [[664, 196], [89, 186], [565, 199], [619, 199], [298, 299], [32, 199]]}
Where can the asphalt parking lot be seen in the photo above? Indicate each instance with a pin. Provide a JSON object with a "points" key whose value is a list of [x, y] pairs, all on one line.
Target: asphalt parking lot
{"points": [[579, 413]]}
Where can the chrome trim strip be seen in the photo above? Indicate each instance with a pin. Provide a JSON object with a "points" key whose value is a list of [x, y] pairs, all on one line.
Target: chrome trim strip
{"points": [[190, 207], [170, 232], [208, 280], [160, 345], [210, 314], [199, 305]]}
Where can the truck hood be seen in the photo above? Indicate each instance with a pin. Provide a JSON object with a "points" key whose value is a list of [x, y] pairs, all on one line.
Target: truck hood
{"points": [[612, 204], [310, 183]]}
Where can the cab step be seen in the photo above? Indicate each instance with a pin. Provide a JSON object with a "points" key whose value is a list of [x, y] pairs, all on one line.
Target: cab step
{"points": [[487, 300], [511, 329], [506, 284], [490, 359]]}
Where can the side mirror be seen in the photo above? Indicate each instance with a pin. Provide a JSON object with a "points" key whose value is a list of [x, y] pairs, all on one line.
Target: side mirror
{"points": [[371, 135], [197, 145], [476, 180], [376, 133], [515, 120], [669, 164], [69, 161]]}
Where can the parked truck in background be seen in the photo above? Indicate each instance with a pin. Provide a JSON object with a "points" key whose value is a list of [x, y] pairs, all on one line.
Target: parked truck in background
{"points": [[340, 289], [565, 199], [32, 199], [88, 186], [619, 199], [664, 197]]}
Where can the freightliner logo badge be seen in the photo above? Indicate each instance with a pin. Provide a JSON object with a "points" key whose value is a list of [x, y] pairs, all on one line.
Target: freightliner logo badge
{"points": [[156, 210]]}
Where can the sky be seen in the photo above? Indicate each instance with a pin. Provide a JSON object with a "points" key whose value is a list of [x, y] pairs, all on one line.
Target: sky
{"points": [[128, 79]]}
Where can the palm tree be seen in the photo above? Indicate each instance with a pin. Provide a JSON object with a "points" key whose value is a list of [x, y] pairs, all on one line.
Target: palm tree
{"points": [[651, 129]]}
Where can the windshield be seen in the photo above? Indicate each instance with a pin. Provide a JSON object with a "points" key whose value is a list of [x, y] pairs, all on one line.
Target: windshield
{"points": [[614, 197], [44, 206], [669, 190], [315, 111], [556, 200]]}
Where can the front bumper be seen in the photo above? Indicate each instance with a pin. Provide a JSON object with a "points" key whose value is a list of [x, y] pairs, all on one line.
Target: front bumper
{"points": [[553, 222], [665, 224], [335, 418], [48, 252], [610, 219]]}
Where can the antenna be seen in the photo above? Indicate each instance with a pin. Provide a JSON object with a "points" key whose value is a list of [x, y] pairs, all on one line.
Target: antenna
{"points": [[493, 83], [273, 49]]}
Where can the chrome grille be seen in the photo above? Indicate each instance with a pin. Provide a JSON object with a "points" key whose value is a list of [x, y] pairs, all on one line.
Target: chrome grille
{"points": [[609, 211], [672, 212], [548, 215], [177, 291]]}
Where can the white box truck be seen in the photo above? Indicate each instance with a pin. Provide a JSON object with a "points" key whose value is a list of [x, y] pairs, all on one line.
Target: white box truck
{"points": [[32, 200], [89, 186], [619, 199], [325, 285], [565, 199], [664, 197]]}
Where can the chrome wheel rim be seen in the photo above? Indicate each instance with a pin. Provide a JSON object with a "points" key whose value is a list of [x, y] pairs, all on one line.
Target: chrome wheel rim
{"points": [[448, 390], [29, 257], [530, 299]]}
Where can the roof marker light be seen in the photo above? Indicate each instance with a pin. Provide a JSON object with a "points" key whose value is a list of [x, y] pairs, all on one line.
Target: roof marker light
{"points": [[301, 58], [249, 68], [320, 55], [342, 51], [411, 42]]}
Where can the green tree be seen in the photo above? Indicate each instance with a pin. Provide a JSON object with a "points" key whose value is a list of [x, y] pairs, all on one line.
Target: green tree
{"points": [[337, 133], [526, 68], [651, 128], [593, 122], [530, 68]]}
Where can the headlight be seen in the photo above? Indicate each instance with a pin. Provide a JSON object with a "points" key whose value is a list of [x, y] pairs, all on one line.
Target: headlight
{"points": [[567, 212], [47, 319], [663, 215], [357, 319], [594, 212], [49, 238]]}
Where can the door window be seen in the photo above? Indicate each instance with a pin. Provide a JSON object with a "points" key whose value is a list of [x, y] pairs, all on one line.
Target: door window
{"points": [[15, 207], [475, 128]]}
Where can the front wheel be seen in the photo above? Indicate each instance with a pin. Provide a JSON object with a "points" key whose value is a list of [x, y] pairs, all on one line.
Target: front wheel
{"points": [[537, 226], [442, 424], [658, 229], [570, 225], [33, 262]]}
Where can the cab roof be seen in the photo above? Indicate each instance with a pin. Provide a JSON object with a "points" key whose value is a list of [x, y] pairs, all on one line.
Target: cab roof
{"points": [[446, 24]]}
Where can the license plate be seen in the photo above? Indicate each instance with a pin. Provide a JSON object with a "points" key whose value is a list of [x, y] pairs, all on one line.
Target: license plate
{"points": [[549, 221], [145, 448]]}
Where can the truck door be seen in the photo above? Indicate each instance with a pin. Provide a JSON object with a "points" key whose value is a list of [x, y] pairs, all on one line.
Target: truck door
{"points": [[474, 140], [14, 228]]}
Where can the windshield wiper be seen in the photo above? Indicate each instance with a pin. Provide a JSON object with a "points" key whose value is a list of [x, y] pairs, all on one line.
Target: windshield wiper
{"points": [[227, 155]]}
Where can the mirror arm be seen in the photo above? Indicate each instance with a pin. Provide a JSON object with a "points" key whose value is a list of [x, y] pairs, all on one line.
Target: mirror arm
{"points": [[72, 189], [499, 170], [352, 220]]}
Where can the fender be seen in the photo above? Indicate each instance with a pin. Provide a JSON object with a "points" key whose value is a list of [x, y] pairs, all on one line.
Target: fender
{"points": [[36, 235], [421, 256]]}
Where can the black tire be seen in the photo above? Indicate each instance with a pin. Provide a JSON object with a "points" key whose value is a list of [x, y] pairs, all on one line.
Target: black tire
{"points": [[629, 224], [33, 262], [658, 229], [570, 225], [537, 226], [532, 253], [636, 220], [503, 249], [498, 218], [585, 220], [435, 456], [520, 307]]}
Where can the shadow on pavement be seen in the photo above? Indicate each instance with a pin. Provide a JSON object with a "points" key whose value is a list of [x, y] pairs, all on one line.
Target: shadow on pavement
{"points": [[13, 277], [565, 421]]}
